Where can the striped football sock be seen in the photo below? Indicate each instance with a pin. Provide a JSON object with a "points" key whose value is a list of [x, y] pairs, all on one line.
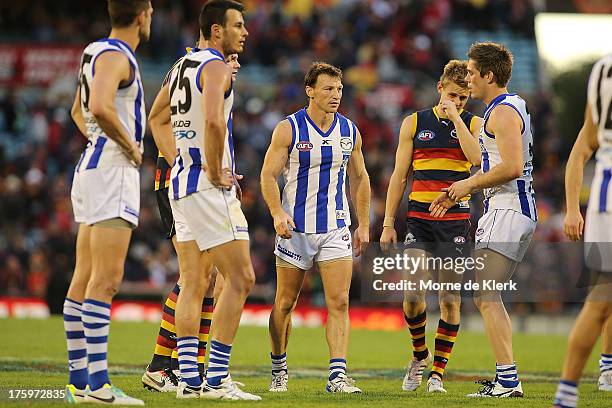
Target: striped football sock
{"points": [[567, 394], [279, 363], [445, 340], [188, 360], [166, 339], [77, 346], [605, 363], [205, 322], [218, 363], [337, 366], [96, 320], [174, 364], [507, 375], [416, 325]]}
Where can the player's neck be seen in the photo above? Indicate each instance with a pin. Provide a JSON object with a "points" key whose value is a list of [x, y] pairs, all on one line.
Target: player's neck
{"points": [[214, 45], [320, 118], [494, 93], [129, 35]]}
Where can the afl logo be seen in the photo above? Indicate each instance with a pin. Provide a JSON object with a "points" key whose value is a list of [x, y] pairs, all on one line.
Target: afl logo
{"points": [[459, 240], [304, 146], [426, 135]]}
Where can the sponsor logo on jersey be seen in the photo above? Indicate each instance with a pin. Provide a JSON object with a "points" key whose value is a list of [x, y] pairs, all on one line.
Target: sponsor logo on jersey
{"points": [[454, 134], [303, 146], [346, 143], [184, 134], [340, 214], [479, 232], [426, 135], [459, 240]]}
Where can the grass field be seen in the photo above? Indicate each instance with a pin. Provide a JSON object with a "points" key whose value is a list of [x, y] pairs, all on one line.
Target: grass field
{"points": [[33, 356]]}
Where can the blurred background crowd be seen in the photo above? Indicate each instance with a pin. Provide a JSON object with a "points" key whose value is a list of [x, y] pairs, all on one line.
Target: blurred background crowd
{"points": [[392, 53]]}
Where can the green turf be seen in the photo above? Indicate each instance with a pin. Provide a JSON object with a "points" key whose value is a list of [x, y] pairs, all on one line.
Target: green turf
{"points": [[33, 356]]}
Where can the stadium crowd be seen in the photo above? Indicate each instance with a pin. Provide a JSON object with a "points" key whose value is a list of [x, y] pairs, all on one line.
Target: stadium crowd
{"points": [[391, 53]]}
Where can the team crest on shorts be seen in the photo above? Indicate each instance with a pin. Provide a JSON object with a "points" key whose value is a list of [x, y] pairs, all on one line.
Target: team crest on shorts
{"points": [[346, 237], [304, 146], [426, 135], [459, 240], [479, 232]]}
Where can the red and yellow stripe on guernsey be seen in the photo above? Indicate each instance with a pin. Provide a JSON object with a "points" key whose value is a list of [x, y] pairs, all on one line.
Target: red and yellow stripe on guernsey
{"points": [[426, 191]]}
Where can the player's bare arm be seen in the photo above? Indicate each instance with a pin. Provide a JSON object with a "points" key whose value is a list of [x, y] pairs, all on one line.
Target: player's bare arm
{"points": [[586, 143], [77, 114], [398, 180], [274, 161], [212, 105], [161, 125], [360, 194], [113, 69], [506, 125], [468, 138]]}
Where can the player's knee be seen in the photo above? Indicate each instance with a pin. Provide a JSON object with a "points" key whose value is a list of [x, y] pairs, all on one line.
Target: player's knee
{"points": [[243, 280], [285, 303], [104, 287], [414, 306], [338, 303]]}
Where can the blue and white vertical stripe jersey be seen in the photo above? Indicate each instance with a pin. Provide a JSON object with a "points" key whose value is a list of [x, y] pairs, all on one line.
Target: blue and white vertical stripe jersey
{"points": [[188, 123], [315, 175], [517, 194], [600, 98], [101, 151]]}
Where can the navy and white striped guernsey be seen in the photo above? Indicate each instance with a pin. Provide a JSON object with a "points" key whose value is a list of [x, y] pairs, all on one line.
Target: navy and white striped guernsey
{"points": [[517, 194], [315, 174], [101, 151], [600, 99]]}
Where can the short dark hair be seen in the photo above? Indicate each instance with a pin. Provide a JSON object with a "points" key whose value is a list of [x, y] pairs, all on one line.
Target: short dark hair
{"points": [[123, 12], [320, 68], [455, 71], [495, 58], [214, 12]]}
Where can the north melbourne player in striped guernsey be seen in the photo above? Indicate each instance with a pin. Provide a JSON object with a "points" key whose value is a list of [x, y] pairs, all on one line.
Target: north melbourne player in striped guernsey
{"points": [[109, 109], [316, 148], [509, 220]]}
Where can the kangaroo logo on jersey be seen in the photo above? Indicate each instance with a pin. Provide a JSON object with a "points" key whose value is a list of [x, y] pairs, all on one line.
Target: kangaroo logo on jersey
{"points": [[346, 143], [426, 135], [304, 146]]}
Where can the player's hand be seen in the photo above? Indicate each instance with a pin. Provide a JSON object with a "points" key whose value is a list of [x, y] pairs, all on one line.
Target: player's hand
{"points": [[236, 179], [450, 110], [134, 154], [458, 190], [361, 237], [224, 178], [388, 238], [573, 225], [440, 205], [282, 224]]}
